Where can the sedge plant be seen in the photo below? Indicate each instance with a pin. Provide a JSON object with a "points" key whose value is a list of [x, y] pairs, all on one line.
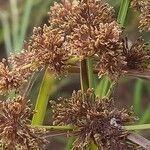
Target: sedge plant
{"points": [[83, 37]]}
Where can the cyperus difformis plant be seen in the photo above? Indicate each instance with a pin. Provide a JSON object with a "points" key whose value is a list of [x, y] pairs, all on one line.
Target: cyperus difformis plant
{"points": [[85, 29]]}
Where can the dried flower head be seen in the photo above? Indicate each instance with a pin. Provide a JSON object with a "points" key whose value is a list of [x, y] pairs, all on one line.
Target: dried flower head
{"points": [[145, 16], [111, 59], [68, 15], [96, 120], [136, 4], [44, 49], [14, 129], [144, 7], [62, 16], [47, 45], [9, 79], [80, 20], [137, 56]]}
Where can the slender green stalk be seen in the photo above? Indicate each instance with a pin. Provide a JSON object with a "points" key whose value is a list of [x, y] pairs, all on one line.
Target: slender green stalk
{"points": [[42, 100], [110, 90], [69, 144], [145, 118], [129, 127], [99, 88], [15, 22], [137, 127], [6, 32], [90, 73], [54, 127], [137, 97], [25, 22], [84, 86], [92, 86], [105, 86], [123, 11], [84, 76]]}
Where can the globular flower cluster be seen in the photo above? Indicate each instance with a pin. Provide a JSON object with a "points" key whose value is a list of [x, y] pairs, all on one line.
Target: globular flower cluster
{"points": [[14, 131], [137, 55], [82, 29], [44, 49], [10, 79], [85, 28], [91, 29], [96, 120], [143, 6]]}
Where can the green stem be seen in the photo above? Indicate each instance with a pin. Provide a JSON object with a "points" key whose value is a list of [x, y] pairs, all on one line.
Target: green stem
{"points": [[123, 11], [137, 127], [105, 86], [145, 118], [69, 144], [54, 127], [92, 86], [137, 97], [68, 127], [90, 73], [42, 99], [84, 76], [110, 90]]}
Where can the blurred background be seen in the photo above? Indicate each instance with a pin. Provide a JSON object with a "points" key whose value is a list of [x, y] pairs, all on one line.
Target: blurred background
{"points": [[17, 19]]}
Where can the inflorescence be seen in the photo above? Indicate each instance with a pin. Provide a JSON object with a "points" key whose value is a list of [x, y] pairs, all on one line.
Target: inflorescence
{"points": [[96, 120], [82, 29], [143, 7], [14, 129]]}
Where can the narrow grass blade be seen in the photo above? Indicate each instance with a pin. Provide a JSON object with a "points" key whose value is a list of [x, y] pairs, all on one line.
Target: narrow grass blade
{"points": [[123, 11], [137, 127], [146, 116], [90, 73], [105, 86], [25, 22], [137, 97], [15, 22], [84, 76], [99, 87], [43, 97], [69, 144], [6, 33]]}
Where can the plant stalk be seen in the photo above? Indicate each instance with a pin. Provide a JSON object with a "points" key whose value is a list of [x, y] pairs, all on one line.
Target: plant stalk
{"points": [[123, 11], [90, 73], [84, 76], [42, 99]]}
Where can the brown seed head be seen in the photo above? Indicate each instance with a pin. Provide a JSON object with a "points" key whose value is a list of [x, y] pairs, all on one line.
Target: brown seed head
{"points": [[137, 56], [14, 129], [80, 20], [144, 7], [111, 59], [9, 79], [96, 120]]}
